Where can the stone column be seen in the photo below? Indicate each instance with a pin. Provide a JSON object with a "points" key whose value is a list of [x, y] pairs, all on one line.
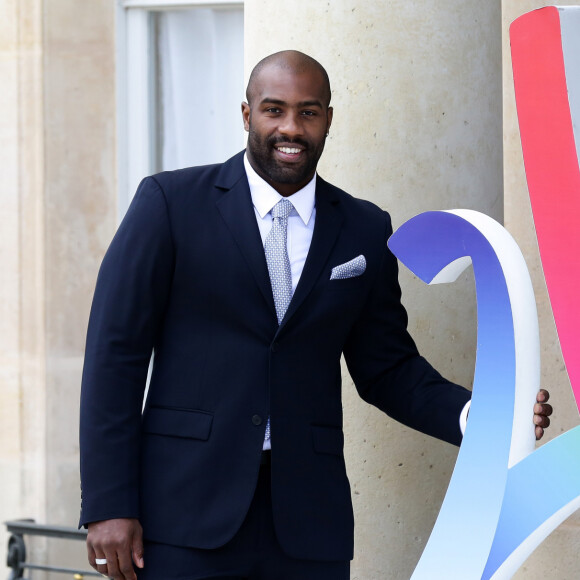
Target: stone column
{"points": [[58, 188], [22, 312], [557, 557], [417, 126]]}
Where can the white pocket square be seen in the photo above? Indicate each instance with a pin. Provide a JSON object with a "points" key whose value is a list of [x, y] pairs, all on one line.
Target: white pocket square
{"points": [[350, 269]]}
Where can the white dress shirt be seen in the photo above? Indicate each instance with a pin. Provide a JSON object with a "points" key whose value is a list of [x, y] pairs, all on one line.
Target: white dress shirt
{"points": [[300, 229], [300, 221]]}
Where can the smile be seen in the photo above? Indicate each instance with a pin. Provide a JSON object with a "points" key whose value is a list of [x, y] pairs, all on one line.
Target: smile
{"points": [[289, 150]]}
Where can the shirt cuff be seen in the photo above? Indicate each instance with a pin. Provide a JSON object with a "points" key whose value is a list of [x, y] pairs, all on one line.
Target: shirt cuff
{"points": [[463, 417]]}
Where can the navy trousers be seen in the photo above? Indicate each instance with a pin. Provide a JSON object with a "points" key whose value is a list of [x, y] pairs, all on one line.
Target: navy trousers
{"points": [[253, 554]]}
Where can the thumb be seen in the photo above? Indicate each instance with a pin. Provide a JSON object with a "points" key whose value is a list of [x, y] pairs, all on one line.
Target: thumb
{"points": [[137, 549]]}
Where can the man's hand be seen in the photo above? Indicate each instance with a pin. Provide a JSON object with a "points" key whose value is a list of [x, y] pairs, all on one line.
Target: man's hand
{"points": [[120, 543], [542, 412]]}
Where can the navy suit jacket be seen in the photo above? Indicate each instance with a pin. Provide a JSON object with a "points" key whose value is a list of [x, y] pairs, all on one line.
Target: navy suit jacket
{"points": [[186, 277]]}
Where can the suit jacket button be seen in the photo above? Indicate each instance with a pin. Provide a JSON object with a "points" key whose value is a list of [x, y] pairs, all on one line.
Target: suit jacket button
{"points": [[257, 420]]}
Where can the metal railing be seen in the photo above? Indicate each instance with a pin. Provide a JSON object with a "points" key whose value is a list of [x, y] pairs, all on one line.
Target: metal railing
{"points": [[16, 556]]}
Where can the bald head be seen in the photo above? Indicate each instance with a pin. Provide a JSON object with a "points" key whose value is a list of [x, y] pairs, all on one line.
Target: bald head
{"points": [[292, 61]]}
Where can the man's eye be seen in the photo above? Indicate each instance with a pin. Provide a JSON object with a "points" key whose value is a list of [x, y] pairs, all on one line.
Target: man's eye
{"points": [[273, 110], [309, 113]]}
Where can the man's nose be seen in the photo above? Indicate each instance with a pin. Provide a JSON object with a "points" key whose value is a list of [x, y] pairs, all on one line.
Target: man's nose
{"points": [[291, 126]]}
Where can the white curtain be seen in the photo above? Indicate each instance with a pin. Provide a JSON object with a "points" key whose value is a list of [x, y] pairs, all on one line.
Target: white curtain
{"points": [[201, 76]]}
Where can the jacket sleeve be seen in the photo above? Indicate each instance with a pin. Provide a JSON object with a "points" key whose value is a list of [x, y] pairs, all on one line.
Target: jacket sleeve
{"points": [[387, 369], [130, 298]]}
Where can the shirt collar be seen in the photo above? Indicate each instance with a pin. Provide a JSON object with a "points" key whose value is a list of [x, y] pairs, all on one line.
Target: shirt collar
{"points": [[265, 197]]}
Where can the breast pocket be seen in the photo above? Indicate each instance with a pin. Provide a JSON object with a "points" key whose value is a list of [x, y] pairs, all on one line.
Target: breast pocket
{"points": [[347, 284]]}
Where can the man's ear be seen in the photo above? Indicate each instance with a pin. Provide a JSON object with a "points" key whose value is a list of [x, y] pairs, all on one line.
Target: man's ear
{"points": [[329, 113], [246, 115]]}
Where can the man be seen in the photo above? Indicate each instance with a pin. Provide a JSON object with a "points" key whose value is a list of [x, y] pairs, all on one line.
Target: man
{"points": [[248, 280]]}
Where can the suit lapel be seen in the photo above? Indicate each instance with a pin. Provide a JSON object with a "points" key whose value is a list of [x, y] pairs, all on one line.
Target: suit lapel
{"points": [[326, 230], [236, 209]]}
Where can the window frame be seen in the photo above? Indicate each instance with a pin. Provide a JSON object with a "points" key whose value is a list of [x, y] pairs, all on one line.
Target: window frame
{"points": [[135, 88]]}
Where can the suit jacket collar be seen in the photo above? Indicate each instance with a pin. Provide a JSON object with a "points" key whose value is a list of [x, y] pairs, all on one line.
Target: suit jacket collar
{"points": [[235, 206], [236, 209], [326, 230], [231, 172]]}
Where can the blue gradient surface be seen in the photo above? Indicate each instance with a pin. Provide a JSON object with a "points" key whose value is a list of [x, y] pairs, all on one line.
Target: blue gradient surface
{"points": [[491, 512]]}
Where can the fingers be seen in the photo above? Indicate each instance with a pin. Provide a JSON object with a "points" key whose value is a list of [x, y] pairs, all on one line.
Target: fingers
{"points": [[113, 565], [102, 564], [541, 419], [125, 568], [110, 544], [96, 560], [92, 557], [137, 548], [541, 422], [542, 412], [542, 396], [117, 566]]}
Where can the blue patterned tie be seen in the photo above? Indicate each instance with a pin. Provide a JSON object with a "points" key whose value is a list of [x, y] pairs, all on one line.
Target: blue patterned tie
{"points": [[276, 250]]}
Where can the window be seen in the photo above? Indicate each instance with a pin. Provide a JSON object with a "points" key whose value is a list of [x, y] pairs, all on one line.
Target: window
{"points": [[180, 85]]}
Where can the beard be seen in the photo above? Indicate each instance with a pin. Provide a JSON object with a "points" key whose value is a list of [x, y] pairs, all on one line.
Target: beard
{"points": [[275, 171]]}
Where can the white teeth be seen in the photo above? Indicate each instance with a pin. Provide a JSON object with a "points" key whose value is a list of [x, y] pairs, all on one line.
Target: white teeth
{"points": [[289, 150]]}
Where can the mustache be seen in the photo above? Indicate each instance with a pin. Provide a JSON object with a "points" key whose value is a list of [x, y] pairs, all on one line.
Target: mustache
{"points": [[276, 140]]}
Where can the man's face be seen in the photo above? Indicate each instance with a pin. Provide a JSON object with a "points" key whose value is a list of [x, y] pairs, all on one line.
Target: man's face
{"points": [[287, 123]]}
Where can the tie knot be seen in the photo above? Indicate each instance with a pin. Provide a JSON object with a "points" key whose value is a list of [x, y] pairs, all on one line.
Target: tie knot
{"points": [[282, 209]]}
